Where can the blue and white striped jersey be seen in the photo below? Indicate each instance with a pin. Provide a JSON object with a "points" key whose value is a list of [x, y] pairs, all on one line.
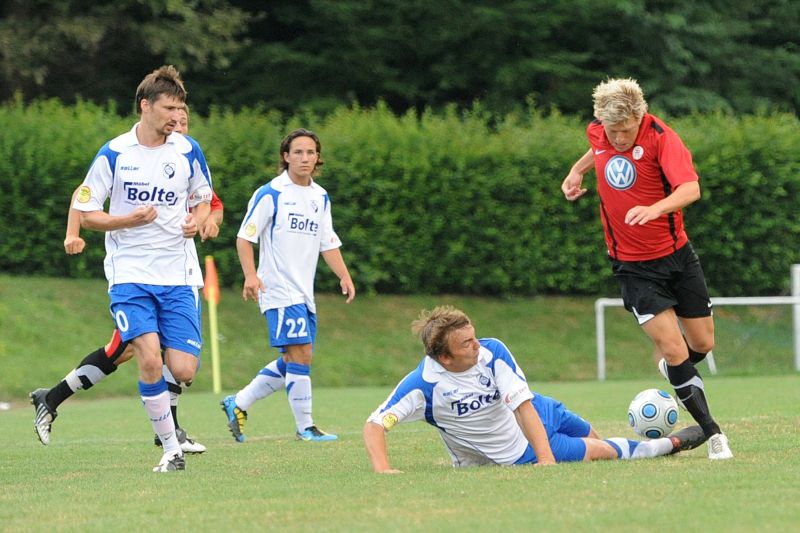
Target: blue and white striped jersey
{"points": [[473, 410], [172, 177], [292, 225]]}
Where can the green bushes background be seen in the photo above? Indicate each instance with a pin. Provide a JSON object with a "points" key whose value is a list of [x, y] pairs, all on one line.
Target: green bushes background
{"points": [[437, 202]]}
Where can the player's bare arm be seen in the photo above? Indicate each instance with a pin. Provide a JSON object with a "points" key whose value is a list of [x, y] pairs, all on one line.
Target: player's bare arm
{"points": [[73, 243], [683, 195], [531, 425], [571, 186], [335, 261], [375, 442], [252, 283], [210, 229], [102, 221]]}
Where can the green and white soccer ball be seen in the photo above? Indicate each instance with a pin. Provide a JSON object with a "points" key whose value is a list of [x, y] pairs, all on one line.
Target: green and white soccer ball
{"points": [[653, 413]]}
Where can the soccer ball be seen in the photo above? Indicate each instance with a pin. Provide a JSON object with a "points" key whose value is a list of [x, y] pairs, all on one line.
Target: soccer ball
{"points": [[653, 413]]}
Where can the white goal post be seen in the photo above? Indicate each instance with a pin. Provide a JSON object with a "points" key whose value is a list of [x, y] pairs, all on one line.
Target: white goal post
{"points": [[794, 300]]}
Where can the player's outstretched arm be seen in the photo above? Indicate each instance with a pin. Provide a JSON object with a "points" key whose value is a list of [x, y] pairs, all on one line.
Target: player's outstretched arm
{"points": [[336, 263], [528, 419], [375, 442]]}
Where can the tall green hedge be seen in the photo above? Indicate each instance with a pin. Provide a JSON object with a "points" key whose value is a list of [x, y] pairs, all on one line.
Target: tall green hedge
{"points": [[446, 202]]}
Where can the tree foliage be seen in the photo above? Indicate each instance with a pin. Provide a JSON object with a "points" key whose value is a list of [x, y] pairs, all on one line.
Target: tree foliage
{"points": [[736, 55]]}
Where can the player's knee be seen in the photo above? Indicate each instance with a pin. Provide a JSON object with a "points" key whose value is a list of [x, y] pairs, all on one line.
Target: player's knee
{"points": [[702, 346]]}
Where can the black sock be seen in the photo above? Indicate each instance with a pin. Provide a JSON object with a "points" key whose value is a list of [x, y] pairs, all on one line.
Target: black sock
{"points": [[694, 357], [79, 378], [688, 387]]}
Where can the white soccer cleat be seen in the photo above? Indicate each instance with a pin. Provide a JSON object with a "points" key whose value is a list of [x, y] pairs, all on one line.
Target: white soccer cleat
{"points": [[718, 447], [662, 368], [170, 462], [189, 445]]}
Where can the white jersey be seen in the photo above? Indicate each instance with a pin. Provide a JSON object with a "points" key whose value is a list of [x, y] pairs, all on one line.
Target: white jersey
{"points": [[473, 410], [292, 225], [172, 177]]}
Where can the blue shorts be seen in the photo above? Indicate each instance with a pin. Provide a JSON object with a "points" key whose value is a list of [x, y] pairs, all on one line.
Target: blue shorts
{"points": [[565, 431], [171, 311], [291, 325]]}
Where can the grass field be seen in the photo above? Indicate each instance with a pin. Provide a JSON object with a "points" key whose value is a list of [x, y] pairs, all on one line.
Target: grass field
{"points": [[47, 325], [95, 473]]}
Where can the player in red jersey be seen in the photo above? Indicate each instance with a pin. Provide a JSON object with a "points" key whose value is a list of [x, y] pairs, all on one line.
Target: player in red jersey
{"points": [[645, 177]]}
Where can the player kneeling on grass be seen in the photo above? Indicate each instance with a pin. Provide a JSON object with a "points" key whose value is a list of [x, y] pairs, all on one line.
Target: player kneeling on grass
{"points": [[475, 394]]}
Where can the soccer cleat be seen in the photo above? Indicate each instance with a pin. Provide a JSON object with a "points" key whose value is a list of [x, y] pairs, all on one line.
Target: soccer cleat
{"points": [[236, 417], [662, 369], [718, 447], [687, 439], [43, 422], [313, 433], [170, 462], [188, 445]]}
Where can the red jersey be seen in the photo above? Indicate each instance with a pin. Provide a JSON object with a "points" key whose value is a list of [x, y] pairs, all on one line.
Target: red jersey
{"points": [[648, 172]]}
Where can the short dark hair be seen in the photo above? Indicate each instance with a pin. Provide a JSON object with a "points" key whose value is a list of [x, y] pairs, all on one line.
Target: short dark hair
{"points": [[164, 80], [286, 144]]}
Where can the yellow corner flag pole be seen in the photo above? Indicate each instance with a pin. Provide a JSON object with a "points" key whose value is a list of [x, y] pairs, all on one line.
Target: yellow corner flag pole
{"points": [[211, 294]]}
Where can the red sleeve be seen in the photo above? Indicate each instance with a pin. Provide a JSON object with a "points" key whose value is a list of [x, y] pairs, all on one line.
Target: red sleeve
{"points": [[675, 159], [216, 203]]}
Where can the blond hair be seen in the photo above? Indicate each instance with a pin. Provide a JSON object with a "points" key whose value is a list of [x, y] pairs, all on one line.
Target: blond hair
{"points": [[617, 100], [434, 327]]}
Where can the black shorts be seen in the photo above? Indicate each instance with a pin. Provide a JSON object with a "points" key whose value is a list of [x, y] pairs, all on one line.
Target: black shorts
{"points": [[677, 280]]}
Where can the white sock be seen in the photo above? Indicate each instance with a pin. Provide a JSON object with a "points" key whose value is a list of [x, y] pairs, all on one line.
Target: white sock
{"points": [[156, 404], [652, 448], [298, 392], [269, 379]]}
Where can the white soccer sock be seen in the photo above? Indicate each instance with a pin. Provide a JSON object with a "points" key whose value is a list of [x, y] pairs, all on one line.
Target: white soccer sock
{"points": [[652, 448], [298, 392], [90, 373], [156, 404], [269, 379], [622, 446]]}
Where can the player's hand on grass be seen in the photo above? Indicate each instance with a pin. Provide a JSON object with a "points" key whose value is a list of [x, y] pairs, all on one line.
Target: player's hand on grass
{"points": [[74, 244], [546, 462]]}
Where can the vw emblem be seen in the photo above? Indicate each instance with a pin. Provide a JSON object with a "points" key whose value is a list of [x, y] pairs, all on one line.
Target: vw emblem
{"points": [[620, 173]]}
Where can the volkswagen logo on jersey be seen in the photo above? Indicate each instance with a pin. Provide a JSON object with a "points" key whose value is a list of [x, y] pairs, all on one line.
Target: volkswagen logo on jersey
{"points": [[169, 170], [620, 173]]}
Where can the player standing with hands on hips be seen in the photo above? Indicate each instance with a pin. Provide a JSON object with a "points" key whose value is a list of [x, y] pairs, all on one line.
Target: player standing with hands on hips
{"points": [[290, 219], [153, 179], [645, 177]]}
